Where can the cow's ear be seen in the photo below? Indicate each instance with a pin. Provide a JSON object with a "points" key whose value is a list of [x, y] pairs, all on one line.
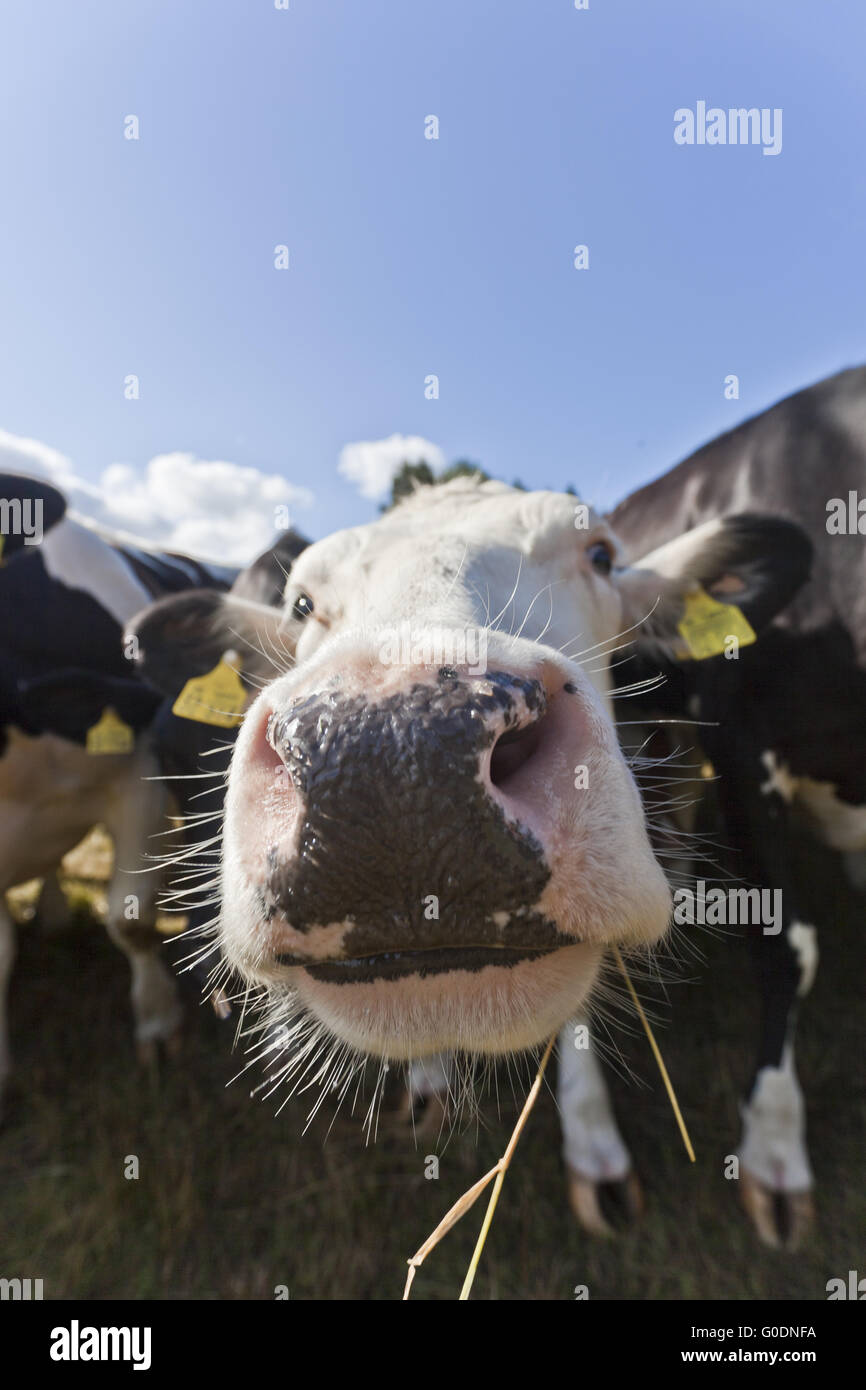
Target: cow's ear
{"points": [[71, 702], [265, 579], [28, 508], [753, 563], [186, 635]]}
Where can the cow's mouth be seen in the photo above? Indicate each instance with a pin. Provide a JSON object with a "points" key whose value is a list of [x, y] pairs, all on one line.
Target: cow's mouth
{"points": [[392, 965]]}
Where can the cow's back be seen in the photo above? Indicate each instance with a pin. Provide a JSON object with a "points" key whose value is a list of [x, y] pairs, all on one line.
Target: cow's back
{"points": [[789, 461]]}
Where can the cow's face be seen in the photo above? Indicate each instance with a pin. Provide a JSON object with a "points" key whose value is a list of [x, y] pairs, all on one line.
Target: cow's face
{"points": [[430, 831]]}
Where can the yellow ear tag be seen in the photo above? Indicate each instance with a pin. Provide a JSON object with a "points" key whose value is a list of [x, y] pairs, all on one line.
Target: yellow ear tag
{"points": [[110, 734], [216, 698], [707, 625]]}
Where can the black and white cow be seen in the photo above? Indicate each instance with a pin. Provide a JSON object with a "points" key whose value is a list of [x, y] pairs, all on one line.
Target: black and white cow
{"points": [[194, 753], [431, 834], [785, 724], [74, 724]]}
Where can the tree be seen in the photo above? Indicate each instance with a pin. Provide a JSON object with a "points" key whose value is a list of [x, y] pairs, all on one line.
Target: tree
{"points": [[413, 475], [406, 479], [463, 469]]}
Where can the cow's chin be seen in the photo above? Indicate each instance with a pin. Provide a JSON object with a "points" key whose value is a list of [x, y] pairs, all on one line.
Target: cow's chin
{"points": [[489, 1009]]}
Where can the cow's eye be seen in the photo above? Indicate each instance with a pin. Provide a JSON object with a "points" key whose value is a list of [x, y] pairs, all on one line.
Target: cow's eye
{"points": [[303, 607], [600, 557]]}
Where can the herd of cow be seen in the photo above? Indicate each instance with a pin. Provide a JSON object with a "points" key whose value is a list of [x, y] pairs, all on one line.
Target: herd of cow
{"points": [[414, 855]]}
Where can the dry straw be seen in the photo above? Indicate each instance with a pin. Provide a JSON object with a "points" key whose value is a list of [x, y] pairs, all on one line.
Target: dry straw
{"points": [[462, 1205], [498, 1171], [658, 1056]]}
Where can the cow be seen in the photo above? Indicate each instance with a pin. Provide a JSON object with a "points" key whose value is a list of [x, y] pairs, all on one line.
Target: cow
{"points": [[784, 726], [431, 835], [194, 752], [74, 725]]}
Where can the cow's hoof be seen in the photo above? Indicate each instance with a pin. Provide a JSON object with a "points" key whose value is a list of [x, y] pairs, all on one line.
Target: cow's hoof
{"points": [[781, 1219], [603, 1207]]}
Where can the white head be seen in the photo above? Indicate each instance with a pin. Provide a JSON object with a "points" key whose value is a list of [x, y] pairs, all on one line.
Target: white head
{"points": [[431, 834]]}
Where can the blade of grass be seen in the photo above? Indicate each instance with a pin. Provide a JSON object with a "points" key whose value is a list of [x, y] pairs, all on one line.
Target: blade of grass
{"points": [[470, 1197], [502, 1167], [657, 1054]]}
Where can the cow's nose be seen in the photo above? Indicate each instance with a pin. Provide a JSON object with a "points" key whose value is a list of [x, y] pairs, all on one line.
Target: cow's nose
{"points": [[439, 730], [402, 825]]}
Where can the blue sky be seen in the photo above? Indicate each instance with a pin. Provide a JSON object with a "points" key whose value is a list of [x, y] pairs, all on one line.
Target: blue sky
{"points": [[409, 256]]}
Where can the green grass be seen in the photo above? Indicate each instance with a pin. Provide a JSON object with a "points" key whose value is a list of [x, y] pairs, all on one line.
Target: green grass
{"points": [[232, 1200]]}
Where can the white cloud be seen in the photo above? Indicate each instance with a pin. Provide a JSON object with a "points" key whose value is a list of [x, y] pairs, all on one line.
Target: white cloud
{"points": [[371, 465], [210, 508]]}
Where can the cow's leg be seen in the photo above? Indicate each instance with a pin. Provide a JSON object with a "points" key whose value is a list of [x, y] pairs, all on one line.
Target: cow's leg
{"points": [[775, 1176], [428, 1091], [596, 1158], [139, 814], [7, 959]]}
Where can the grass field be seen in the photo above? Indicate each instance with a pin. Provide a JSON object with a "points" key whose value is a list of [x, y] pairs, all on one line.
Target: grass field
{"points": [[232, 1201]]}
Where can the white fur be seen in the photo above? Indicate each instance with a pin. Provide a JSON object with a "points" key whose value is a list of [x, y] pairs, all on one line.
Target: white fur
{"points": [[773, 1146], [79, 557], [837, 823], [591, 1142], [804, 942], [779, 779]]}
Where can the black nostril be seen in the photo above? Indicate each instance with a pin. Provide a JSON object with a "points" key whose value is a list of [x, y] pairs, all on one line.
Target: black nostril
{"points": [[512, 750]]}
